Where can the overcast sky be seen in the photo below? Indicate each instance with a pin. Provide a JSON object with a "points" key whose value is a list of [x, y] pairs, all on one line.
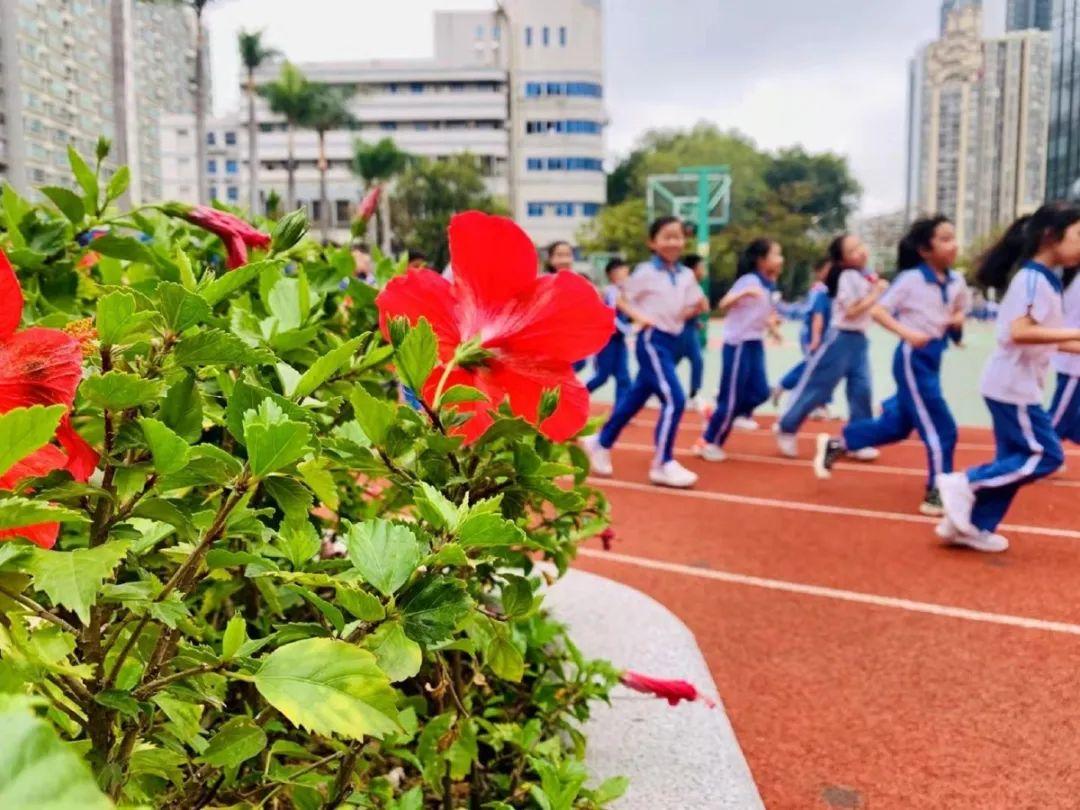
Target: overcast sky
{"points": [[829, 74]]}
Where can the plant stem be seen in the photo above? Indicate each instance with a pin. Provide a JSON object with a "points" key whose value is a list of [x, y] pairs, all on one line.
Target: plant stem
{"points": [[146, 690], [437, 399], [38, 610], [341, 782]]}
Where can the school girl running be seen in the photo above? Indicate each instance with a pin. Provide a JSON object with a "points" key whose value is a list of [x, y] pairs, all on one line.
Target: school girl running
{"points": [[854, 291], [749, 312], [1065, 408], [814, 328], [660, 294], [1030, 327], [925, 301], [613, 359]]}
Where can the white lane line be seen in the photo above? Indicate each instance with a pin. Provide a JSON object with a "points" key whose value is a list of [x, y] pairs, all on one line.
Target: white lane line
{"points": [[766, 432], [881, 469], [895, 603], [821, 509]]}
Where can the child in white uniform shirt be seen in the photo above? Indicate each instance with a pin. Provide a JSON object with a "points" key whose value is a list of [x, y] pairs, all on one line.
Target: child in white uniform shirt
{"points": [[1030, 328], [1065, 409]]}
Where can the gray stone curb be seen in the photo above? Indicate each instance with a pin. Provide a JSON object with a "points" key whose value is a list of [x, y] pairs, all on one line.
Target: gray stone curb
{"points": [[677, 757]]}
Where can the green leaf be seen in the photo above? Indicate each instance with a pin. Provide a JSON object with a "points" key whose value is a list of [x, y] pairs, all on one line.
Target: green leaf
{"points": [[360, 604], [118, 391], [321, 482], [214, 347], [462, 393], [295, 501], [85, 177], [417, 355], [182, 408], [165, 511], [181, 308], [170, 452], [329, 612], [74, 578], [384, 553], [234, 637], [24, 430], [40, 771], [118, 317], [329, 687], [184, 716], [273, 440], [489, 530], [327, 366], [237, 741], [435, 507], [224, 286], [126, 248], [69, 203], [16, 512], [247, 397], [464, 751], [118, 184], [517, 596], [398, 655], [610, 790], [505, 659], [299, 542], [375, 416], [432, 609], [432, 760]]}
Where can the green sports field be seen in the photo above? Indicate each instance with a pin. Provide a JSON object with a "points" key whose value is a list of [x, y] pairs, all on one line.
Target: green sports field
{"points": [[962, 370]]}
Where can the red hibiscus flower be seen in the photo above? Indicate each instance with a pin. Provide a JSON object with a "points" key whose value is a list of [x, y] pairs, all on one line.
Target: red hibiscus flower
{"points": [[39, 367], [236, 234], [671, 691], [503, 329]]}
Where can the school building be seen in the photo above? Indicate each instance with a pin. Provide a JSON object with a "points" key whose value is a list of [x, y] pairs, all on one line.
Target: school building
{"points": [[548, 164]]}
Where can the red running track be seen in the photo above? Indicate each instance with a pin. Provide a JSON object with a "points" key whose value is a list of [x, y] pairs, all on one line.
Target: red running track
{"points": [[863, 664]]}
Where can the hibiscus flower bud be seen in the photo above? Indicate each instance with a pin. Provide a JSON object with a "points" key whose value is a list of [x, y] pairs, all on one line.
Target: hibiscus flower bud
{"points": [[366, 210], [289, 230], [607, 537]]}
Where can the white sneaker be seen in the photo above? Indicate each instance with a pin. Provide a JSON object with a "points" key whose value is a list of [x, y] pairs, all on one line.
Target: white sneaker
{"points": [[708, 451], [697, 404], [957, 499], [744, 423], [987, 542], [788, 444], [866, 454], [945, 530], [599, 457], [672, 474]]}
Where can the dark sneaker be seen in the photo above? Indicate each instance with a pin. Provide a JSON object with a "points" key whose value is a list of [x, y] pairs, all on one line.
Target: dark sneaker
{"points": [[827, 452], [931, 505]]}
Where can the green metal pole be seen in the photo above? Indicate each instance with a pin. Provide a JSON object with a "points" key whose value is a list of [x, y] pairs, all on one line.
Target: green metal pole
{"points": [[703, 213]]}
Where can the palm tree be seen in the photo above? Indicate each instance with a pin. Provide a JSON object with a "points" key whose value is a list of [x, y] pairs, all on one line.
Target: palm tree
{"points": [[328, 109], [375, 163], [252, 55], [289, 96]]}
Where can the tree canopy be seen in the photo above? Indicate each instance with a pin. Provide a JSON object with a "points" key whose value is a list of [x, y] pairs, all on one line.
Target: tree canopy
{"points": [[794, 196]]}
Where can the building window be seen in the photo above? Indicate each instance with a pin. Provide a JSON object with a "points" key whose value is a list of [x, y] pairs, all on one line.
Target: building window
{"points": [[230, 167], [536, 209], [564, 209], [416, 87], [230, 139], [422, 126], [479, 32], [590, 209], [181, 133], [211, 166], [316, 210], [528, 36], [343, 211], [534, 89], [391, 87], [213, 192], [546, 36], [562, 36], [457, 87], [534, 164], [210, 139], [388, 125], [496, 33], [232, 193]]}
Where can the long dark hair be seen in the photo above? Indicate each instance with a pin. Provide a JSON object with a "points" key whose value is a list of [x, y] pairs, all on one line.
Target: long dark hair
{"points": [[1022, 241], [754, 252], [548, 267], [836, 263], [918, 238]]}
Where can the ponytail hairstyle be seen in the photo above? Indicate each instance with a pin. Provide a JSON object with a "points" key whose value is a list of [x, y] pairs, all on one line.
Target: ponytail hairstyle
{"points": [[754, 252], [836, 263], [1022, 241], [691, 260], [548, 266], [918, 238]]}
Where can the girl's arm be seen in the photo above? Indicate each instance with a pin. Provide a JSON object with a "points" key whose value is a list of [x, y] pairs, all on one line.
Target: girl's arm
{"points": [[817, 330], [913, 336], [633, 313], [1070, 347], [733, 297], [864, 305], [1026, 330]]}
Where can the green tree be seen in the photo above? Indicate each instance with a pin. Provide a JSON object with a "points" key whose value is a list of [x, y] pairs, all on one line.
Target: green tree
{"points": [[379, 162], [618, 228], [290, 96], [822, 183], [253, 53], [428, 193], [328, 109]]}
